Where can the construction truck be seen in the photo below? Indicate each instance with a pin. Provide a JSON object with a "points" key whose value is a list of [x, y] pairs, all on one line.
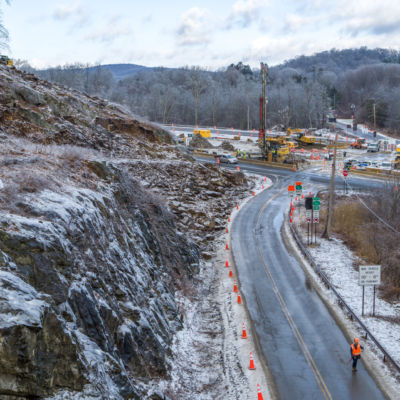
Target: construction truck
{"points": [[360, 143], [202, 132], [396, 161], [5, 60]]}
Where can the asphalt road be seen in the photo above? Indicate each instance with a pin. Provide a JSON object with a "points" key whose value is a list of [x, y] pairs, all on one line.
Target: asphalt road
{"points": [[305, 350]]}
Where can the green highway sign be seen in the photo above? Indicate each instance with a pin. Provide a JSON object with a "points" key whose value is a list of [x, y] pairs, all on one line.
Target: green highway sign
{"points": [[316, 203]]}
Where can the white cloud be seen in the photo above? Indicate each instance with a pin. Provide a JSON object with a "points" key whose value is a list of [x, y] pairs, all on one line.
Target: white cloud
{"points": [[245, 12], [194, 28], [294, 22], [64, 11], [71, 12], [109, 33], [375, 18]]}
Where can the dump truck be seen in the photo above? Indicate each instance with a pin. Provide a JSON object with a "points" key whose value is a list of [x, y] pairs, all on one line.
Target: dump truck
{"points": [[5, 60]]}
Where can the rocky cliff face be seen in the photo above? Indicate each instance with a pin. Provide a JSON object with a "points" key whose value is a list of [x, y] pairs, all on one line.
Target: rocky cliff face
{"points": [[101, 220]]}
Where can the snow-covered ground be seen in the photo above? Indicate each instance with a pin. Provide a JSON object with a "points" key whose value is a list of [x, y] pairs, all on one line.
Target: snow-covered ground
{"points": [[337, 262], [210, 345]]}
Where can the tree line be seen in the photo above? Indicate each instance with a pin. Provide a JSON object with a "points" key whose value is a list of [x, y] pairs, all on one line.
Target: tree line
{"points": [[300, 92]]}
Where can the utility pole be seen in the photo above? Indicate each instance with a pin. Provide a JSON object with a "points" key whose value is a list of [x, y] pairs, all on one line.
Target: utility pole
{"points": [[248, 117], [374, 108], [263, 115], [327, 230]]}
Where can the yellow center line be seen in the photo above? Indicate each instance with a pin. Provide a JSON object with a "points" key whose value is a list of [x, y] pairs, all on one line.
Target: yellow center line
{"points": [[292, 324]]}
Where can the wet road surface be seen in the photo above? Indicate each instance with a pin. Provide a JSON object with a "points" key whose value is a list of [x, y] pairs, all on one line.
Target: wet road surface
{"points": [[305, 350]]}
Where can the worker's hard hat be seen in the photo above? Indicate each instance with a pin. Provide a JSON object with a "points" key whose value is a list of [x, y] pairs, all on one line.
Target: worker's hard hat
{"points": [[356, 339]]}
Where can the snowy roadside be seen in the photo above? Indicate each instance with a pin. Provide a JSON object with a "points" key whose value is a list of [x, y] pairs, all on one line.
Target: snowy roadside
{"points": [[210, 358], [337, 261]]}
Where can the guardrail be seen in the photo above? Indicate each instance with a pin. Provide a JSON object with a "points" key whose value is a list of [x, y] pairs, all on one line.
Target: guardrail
{"points": [[341, 301]]}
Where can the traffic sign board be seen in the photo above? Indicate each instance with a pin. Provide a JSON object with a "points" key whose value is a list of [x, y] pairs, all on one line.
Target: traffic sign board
{"points": [[290, 188], [308, 215], [345, 173], [316, 207], [369, 275]]}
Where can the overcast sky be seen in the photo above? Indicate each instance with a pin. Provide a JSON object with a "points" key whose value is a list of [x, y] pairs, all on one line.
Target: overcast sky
{"points": [[208, 33]]}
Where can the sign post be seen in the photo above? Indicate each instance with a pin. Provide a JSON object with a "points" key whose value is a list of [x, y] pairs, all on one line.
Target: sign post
{"points": [[308, 205], [369, 275], [345, 173], [315, 216]]}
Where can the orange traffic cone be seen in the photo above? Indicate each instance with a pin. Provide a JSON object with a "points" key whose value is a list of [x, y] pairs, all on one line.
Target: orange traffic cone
{"points": [[227, 230], [235, 289], [239, 299], [265, 178], [254, 193], [291, 220], [244, 333], [229, 219], [237, 206], [238, 168], [227, 246], [230, 274], [262, 186], [251, 366], [259, 394], [226, 263], [294, 168]]}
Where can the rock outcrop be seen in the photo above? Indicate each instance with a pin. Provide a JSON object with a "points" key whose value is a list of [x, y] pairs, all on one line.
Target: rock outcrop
{"points": [[101, 221]]}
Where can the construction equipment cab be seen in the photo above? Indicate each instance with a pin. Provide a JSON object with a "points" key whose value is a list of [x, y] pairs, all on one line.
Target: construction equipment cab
{"points": [[360, 143], [5, 60]]}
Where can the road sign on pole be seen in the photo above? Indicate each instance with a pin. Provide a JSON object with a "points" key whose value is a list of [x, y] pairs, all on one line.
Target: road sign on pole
{"points": [[369, 275], [345, 173]]}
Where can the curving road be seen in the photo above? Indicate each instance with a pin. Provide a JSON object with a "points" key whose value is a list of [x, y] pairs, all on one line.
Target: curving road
{"points": [[305, 350]]}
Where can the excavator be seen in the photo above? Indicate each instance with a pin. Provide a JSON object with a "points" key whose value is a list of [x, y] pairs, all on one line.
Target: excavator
{"points": [[5, 60], [360, 143]]}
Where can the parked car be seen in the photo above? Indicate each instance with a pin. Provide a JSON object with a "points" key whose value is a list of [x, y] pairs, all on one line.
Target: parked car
{"points": [[386, 165], [227, 158]]}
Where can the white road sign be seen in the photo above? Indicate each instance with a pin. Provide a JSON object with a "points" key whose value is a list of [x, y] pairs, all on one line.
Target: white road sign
{"points": [[308, 215], [369, 275]]}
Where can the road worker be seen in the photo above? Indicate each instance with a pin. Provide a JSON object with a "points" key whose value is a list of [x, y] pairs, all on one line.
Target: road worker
{"points": [[355, 351]]}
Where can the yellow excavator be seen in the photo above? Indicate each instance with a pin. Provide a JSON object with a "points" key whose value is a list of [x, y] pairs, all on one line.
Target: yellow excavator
{"points": [[5, 60]]}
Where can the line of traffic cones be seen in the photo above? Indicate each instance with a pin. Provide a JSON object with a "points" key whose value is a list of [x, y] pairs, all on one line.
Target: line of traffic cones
{"points": [[227, 246], [235, 287]]}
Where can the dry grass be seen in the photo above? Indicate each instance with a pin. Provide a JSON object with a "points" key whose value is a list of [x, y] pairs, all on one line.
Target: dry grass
{"points": [[369, 238]]}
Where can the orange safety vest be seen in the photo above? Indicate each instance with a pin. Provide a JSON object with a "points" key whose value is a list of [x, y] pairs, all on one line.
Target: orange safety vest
{"points": [[355, 350]]}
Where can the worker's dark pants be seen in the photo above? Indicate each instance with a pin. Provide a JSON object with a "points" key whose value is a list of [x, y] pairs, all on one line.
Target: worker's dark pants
{"points": [[355, 359]]}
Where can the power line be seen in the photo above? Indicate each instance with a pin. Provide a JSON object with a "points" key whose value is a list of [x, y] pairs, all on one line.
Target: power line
{"points": [[375, 214]]}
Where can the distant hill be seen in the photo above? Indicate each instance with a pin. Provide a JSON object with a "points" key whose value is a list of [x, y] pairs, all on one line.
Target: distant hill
{"points": [[121, 71], [340, 61]]}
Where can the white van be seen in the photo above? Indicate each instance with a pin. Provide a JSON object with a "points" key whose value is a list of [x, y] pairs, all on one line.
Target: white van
{"points": [[373, 147]]}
